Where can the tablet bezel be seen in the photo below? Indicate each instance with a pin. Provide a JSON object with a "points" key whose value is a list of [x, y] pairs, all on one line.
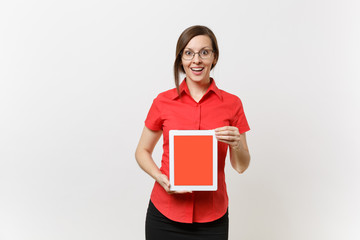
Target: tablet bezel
{"points": [[173, 187]]}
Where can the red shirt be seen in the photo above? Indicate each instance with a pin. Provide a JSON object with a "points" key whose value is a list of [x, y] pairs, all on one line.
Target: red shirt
{"points": [[217, 108]]}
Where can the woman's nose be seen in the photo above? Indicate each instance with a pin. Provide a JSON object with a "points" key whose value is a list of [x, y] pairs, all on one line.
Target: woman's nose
{"points": [[196, 58]]}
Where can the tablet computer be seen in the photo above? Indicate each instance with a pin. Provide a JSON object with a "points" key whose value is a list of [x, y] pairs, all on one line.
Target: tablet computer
{"points": [[193, 160]]}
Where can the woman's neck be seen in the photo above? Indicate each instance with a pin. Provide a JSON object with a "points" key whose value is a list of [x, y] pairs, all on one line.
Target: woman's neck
{"points": [[197, 89]]}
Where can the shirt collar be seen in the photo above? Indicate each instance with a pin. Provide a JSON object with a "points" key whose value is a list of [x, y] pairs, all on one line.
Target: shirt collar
{"points": [[183, 88]]}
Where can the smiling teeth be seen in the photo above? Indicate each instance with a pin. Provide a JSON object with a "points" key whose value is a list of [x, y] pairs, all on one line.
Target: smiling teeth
{"points": [[197, 69]]}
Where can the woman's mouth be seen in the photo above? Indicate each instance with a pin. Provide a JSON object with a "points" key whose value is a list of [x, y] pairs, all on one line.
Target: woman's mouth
{"points": [[197, 70]]}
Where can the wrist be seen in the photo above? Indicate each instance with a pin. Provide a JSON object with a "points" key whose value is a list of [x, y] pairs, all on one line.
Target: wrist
{"points": [[157, 176], [236, 147]]}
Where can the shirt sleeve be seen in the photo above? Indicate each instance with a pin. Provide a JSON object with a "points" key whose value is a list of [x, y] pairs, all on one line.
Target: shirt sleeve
{"points": [[153, 120], [240, 120]]}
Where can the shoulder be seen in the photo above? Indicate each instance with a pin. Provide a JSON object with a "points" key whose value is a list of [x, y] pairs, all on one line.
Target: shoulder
{"points": [[166, 95], [229, 97]]}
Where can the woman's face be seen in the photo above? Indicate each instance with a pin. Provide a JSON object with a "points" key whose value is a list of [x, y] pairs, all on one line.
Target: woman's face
{"points": [[198, 69]]}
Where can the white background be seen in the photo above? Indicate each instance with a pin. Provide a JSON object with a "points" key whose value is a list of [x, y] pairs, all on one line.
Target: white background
{"points": [[78, 77]]}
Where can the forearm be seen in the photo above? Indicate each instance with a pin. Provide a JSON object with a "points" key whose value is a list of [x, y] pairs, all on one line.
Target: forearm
{"points": [[146, 163], [239, 158], [239, 151]]}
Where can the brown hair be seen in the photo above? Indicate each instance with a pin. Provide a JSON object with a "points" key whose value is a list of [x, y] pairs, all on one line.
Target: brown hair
{"points": [[184, 39]]}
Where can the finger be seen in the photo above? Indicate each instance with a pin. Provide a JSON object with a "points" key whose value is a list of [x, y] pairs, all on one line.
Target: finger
{"points": [[178, 192], [224, 128], [166, 187], [167, 183], [228, 137], [227, 133], [182, 192], [231, 143], [227, 142], [165, 180]]}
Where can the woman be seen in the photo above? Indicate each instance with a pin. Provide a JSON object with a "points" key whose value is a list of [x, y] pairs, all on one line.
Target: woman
{"points": [[194, 104]]}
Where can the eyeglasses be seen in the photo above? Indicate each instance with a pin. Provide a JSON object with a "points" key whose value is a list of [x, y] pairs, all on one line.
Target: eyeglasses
{"points": [[205, 53]]}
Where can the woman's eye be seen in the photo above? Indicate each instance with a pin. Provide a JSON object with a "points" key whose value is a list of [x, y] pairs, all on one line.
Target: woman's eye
{"points": [[204, 52], [188, 53]]}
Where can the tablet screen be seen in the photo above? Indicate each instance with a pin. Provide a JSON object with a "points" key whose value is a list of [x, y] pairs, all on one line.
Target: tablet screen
{"points": [[193, 160]]}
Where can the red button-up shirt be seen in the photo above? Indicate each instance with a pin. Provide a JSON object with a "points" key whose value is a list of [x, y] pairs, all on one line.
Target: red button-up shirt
{"points": [[217, 108]]}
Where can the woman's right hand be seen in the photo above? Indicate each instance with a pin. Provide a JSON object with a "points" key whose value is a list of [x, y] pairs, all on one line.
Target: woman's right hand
{"points": [[143, 156], [163, 180]]}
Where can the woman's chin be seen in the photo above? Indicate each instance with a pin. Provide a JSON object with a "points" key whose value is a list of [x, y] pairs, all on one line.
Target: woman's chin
{"points": [[198, 79]]}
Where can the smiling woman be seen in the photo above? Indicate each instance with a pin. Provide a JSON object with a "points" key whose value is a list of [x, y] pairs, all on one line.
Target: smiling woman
{"points": [[197, 65], [195, 104], [190, 37]]}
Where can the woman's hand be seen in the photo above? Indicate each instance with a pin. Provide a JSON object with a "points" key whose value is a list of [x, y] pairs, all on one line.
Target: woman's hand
{"points": [[229, 135], [163, 180], [239, 151]]}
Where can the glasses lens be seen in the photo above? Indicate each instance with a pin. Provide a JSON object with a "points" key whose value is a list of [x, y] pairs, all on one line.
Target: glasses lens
{"points": [[205, 53], [188, 55]]}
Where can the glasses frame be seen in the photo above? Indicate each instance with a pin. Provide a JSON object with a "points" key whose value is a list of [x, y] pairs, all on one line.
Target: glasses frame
{"points": [[198, 53]]}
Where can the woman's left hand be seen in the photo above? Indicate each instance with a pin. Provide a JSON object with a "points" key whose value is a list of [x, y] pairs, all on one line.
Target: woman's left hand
{"points": [[229, 135]]}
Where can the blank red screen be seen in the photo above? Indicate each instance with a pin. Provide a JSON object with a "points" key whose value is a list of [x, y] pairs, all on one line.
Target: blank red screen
{"points": [[193, 160]]}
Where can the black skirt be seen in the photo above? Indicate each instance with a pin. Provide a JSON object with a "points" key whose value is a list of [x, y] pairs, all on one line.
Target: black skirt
{"points": [[159, 227]]}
